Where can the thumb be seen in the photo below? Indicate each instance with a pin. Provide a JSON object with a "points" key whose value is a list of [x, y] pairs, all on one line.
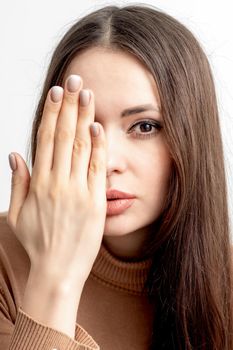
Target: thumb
{"points": [[20, 182]]}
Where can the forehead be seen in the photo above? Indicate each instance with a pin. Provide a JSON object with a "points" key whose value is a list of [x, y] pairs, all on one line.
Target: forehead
{"points": [[114, 72]]}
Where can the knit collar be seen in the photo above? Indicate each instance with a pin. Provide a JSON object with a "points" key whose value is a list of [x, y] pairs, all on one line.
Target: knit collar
{"points": [[122, 275]]}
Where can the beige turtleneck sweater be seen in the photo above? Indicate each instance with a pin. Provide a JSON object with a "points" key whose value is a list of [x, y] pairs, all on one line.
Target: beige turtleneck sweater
{"points": [[114, 313]]}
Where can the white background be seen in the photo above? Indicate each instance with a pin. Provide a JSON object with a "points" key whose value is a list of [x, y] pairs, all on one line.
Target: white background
{"points": [[29, 32]]}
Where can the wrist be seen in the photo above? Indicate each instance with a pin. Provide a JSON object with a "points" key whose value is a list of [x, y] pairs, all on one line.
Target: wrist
{"points": [[46, 282], [58, 282], [52, 302]]}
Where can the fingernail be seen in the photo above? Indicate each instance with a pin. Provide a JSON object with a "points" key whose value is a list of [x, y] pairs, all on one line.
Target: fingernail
{"points": [[56, 93], [95, 129], [84, 97], [73, 83], [12, 161]]}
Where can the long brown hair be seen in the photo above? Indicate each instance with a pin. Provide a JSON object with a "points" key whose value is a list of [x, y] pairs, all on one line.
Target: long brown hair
{"points": [[191, 274]]}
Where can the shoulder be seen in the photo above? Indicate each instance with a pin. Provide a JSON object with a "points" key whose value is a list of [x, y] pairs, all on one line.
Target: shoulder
{"points": [[3, 216], [14, 270], [7, 237], [4, 227], [5, 231], [14, 261], [8, 240]]}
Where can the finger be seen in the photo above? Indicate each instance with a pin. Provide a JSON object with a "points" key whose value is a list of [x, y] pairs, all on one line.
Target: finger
{"points": [[45, 135], [19, 189], [82, 140], [97, 168], [66, 128]]}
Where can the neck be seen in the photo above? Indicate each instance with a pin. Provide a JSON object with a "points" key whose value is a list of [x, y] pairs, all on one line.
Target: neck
{"points": [[128, 247]]}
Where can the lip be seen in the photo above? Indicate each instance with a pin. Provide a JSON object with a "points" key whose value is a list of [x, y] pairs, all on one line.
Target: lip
{"points": [[118, 206], [115, 194], [118, 201]]}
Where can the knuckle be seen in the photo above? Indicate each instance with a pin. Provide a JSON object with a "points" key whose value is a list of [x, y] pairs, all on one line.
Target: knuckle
{"points": [[62, 134], [80, 144], [84, 114], [51, 108], [96, 166], [99, 144], [45, 135], [54, 193], [38, 186], [71, 99], [17, 181]]}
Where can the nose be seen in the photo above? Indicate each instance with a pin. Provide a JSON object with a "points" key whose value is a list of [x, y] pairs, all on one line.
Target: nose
{"points": [[116, 154]]}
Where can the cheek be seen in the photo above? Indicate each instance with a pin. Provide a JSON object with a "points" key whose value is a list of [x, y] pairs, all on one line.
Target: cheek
{"points": [[154, 169]]}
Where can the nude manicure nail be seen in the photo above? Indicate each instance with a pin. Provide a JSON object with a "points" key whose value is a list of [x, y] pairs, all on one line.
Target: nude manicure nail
{"points": [[84, 97], [56, 93], [12, 161], [73, 83]]}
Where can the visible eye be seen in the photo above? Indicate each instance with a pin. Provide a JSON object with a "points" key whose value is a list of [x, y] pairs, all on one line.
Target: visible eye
{"points": [[147, 125]]}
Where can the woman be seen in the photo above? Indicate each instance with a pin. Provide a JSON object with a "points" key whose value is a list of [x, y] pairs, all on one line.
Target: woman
{"points": [[153, 268]]}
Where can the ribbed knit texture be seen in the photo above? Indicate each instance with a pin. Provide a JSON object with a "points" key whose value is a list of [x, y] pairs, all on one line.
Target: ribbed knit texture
{"points": [[122, 275], [37, 336]]}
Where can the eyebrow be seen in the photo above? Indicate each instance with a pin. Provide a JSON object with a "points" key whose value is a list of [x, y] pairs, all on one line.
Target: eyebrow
{"points": [[139, 109]]}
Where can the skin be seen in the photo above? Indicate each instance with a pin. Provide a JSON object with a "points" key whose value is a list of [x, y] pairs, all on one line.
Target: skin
{"points": [[138, 166], [60, 210]]}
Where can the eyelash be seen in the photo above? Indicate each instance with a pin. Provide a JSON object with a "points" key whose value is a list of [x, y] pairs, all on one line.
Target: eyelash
{"points": [[156, 125]]}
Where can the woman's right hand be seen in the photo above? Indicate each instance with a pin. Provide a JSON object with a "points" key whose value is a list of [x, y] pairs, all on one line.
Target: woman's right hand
{"points": [[58, 214]]}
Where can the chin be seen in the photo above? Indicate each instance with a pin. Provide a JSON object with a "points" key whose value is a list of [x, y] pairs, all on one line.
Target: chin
{"points": [[118, 228], [121, 225], [115, 232]]}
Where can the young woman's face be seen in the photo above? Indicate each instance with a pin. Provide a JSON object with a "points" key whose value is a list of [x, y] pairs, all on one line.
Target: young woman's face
{"points": [[138, 160]]}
